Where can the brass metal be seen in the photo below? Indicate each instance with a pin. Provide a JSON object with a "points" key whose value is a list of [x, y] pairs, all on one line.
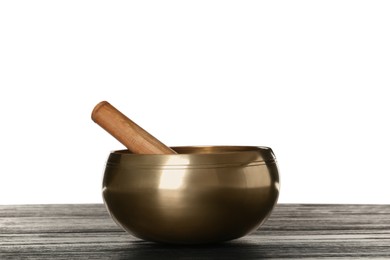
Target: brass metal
{"points": [[200, 195]]}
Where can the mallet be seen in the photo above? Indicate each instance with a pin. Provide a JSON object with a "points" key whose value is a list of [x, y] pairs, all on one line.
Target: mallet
{"points": [[131, 135]]}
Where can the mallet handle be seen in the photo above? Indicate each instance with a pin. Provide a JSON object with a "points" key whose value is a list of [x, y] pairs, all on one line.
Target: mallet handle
{"points": [[136, 139]]}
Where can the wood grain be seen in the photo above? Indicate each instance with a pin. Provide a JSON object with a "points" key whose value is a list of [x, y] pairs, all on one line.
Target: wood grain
{"points": [[131, 135], [292, 232]]}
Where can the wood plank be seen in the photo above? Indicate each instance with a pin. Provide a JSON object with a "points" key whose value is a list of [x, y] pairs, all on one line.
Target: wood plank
{"points": [[293, 231]]}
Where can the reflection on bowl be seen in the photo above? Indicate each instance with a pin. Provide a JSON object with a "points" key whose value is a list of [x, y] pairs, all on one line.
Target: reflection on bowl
{"points": [[200, 195]]}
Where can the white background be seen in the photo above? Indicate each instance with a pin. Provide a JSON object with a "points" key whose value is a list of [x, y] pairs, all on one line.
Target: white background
{"points": [[308, 78]]}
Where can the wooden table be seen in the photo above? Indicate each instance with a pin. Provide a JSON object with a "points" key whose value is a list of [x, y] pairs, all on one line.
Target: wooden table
{"points": [[86, 231]]}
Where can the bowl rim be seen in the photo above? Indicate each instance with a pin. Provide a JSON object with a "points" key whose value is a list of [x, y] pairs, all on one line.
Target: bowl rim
{"points": [[199, 157], [207, 149]]}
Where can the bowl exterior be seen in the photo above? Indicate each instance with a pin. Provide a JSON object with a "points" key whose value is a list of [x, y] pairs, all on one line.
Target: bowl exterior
{"points": [[202, 195]]}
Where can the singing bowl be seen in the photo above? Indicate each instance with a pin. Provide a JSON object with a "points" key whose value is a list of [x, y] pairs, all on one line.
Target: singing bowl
{"points": [[201, 195]]}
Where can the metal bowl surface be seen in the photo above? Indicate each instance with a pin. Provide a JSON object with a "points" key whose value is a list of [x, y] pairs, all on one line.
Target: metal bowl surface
{"points": [[203, 194]]}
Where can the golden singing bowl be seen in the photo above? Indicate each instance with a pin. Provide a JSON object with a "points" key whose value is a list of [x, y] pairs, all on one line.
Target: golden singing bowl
{"points": [[200, 195]]}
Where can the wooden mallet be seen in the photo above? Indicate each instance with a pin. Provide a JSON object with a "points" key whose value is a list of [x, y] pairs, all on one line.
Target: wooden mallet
{"points": [[131, 135]]}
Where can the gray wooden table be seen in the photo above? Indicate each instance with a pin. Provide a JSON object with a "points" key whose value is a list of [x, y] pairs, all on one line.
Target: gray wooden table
{"points": [[293, 231]]}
